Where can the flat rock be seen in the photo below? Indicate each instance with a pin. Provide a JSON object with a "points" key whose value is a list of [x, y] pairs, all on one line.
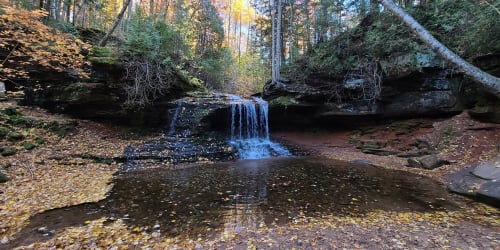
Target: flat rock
{"points": [[463, 182], [479, 181], [489, 170], [490, 190]]}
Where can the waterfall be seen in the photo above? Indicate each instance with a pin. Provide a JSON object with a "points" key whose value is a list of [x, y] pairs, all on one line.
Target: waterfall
{"points": [[250, 129], [171, 128]]}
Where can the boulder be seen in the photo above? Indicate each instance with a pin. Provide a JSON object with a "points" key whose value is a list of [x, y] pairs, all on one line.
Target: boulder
{"points": [[426, 162], [479, 181]]}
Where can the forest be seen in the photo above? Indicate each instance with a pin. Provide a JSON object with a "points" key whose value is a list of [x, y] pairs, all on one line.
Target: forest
{"points": [[258, 124], [225, 44]]}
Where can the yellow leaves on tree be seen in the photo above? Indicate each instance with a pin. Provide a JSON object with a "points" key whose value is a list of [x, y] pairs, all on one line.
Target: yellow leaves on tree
{"points": [[26, 44]]}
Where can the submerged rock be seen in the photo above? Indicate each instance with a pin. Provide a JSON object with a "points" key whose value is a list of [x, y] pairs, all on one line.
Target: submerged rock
{"points": [[480, 181]]}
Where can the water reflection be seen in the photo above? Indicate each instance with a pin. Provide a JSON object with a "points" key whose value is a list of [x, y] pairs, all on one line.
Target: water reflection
{"points": [[241, 196], [250, 192]]}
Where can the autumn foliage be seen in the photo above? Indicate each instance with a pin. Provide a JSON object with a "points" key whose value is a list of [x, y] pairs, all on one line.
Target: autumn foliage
{"points": [[28, 45]]}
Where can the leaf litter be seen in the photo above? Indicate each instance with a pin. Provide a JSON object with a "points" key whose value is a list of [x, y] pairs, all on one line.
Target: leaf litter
{"points": [[49, 177]]}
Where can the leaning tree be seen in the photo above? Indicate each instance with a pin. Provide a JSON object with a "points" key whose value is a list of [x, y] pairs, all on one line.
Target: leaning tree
{"points": [[489, 82]]}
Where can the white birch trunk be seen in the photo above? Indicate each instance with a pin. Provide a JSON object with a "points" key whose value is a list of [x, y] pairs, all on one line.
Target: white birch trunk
{"points": [[278, 39], [273, 41]]}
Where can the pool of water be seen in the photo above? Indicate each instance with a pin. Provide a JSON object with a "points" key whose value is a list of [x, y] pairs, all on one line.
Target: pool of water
{"points": [[201, 199]]}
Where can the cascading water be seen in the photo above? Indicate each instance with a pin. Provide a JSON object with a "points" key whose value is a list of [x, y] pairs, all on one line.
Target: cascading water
{"points": [[250, 129], [171, 128]]}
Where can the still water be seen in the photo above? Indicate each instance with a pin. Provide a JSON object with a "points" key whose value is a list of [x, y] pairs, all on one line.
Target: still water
{"points": [[204, 199], [246, 194]]}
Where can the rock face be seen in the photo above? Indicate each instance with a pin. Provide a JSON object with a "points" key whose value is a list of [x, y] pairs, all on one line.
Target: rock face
{"points": [[480, 181], [103, 99], [414, 85]]}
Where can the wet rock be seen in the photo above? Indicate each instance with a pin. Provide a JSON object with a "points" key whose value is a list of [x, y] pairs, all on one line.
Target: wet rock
{"points": [[427, 162], [45, 231], [480, 181], [361, 162]]}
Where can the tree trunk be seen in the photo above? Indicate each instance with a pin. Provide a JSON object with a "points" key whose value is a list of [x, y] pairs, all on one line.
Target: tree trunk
{"points": [[57, 9], [308, 44], [118, 19], [67, 10], [151, 10], [229, 24], [276, 14], [291, 35], [239, 39], [273, 41], [489, 82], [279, 38]]}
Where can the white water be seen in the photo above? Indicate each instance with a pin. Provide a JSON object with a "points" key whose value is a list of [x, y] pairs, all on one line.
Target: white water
{"points": [[250, 129]]}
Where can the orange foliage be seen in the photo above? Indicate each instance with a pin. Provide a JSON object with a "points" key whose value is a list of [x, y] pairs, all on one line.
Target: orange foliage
{"points": [[26, 44]]}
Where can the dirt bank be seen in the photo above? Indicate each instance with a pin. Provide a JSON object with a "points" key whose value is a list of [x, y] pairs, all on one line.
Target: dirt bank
{"points": [[459, 140]]}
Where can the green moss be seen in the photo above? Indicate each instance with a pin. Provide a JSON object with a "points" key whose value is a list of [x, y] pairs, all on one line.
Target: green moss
{"points": [[3, 178], [105, 60], [28, 145], [18, 120], [10, 111], [3, 132], [15, 137], [60, 129], [100, 51], [39, 140], [8, 151], [283, 100]]}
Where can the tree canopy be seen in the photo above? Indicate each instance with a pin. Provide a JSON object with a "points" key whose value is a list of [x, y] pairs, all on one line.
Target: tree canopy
{"points": [[232, 45]]}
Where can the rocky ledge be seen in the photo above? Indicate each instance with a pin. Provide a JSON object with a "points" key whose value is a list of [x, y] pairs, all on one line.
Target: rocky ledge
{"points": [[416, 84]]}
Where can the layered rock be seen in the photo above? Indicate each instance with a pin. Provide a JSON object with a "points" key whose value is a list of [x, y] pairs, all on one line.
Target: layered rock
{"points": [[413, 85], [103, 98]]}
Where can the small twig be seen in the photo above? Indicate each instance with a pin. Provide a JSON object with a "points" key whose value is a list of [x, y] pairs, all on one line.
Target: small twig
{"points": [[30, 169], [7, 79], [10, 53], [31, 172]]}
